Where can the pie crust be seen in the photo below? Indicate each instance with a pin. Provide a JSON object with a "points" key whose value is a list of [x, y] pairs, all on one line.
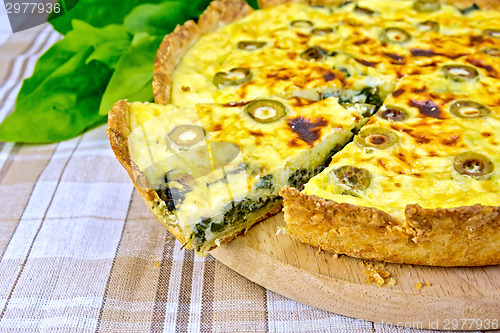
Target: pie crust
{"points": [[462, 236]]}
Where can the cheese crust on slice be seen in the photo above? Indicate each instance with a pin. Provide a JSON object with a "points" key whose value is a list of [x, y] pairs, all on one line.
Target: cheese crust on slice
{"points": [[213, 170]]}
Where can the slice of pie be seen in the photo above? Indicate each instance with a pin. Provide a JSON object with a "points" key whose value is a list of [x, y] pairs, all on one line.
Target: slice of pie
{"points": [[210, 171]]}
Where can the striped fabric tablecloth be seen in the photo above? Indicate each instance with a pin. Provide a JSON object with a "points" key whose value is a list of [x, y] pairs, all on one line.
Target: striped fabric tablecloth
{"points": [[80, 252]]}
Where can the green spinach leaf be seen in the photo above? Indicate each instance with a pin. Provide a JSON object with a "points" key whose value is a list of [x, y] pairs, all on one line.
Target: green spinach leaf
{"points": [[97, 13], [133, 76], [61, 99]]}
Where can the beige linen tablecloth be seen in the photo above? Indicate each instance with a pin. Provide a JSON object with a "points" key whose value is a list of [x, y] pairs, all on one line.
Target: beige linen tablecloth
{"points": [[80, 252]]}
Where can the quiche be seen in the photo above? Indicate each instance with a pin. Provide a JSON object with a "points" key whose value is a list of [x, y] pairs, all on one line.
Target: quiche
{"points": [[418, 183]]}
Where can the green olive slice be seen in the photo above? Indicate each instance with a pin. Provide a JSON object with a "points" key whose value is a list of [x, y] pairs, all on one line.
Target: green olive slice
{"points": [[186, 135], [426, 6], [315, 53], [492, 51], [495, 33], [376, 137], [429, 26], [394, 35], [459, 72], [266, 110], [353, 177], [364, 10], [469, 109], [301, 24], [250, 45], [321, 31], [233, 77], [393, 113], [473, 164]]}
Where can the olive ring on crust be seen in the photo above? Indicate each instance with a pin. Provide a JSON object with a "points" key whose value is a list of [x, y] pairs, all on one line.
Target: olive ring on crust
{"points": [[473, 164], [364, 10], [353, 177], [426, 6], [315, 53], [469, 109], [250, 45], [394, 35], [459, 72], [186, 135], [495, 33], [301, 24], [393, 113], [376, 137], [429, 26], [321, 31], [234, 77], [491, 51], [266, 110]]}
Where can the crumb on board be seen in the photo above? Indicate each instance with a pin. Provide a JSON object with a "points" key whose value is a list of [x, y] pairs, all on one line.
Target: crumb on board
{"points": [[378, 274], [419, 285], [281, 230], [157, 263]]}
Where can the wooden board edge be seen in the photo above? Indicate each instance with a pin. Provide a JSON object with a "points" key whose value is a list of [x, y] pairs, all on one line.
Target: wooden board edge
{"points": [[355, 300]]}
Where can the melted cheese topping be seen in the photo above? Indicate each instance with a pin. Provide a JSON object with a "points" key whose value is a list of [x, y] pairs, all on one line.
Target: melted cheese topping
{"points": [[419, 167], [316, 51]]}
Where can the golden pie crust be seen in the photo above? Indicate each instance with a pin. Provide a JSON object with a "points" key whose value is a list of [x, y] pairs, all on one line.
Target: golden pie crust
{"points": [[462, 236]]}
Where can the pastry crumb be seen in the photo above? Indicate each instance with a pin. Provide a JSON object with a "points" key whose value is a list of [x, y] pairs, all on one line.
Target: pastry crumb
{"points": [[185, 88], [419, 285], [391, 281], [280, 230], [378, 274], [157, 263]]}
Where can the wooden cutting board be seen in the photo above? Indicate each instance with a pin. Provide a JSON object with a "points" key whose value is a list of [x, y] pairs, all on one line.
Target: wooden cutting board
{"points": [[449, 298]]}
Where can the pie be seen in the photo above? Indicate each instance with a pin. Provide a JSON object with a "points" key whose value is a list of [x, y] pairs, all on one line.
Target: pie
{"points": [[419, 183]]}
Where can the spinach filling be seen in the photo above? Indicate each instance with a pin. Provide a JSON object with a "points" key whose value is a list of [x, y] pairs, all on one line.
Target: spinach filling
{"points": [[371, 95], [232, 217], [300, 177], [265, 182], [172, 197]]}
